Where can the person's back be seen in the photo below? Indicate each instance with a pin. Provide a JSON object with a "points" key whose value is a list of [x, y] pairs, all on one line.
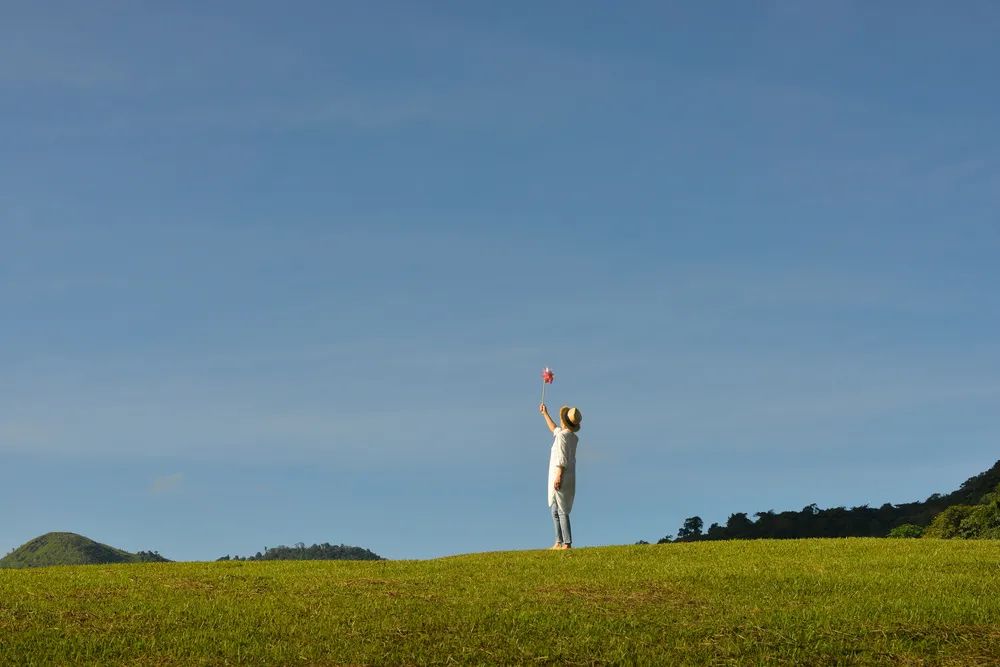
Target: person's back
{"points": [[563, 455]]}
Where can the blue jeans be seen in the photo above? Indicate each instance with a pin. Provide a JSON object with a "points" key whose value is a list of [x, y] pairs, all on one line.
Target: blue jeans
{"points": [[561, 521]]}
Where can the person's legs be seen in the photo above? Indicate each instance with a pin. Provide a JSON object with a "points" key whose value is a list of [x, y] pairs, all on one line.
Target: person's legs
{"points": [[563, 528], [555, 521]]}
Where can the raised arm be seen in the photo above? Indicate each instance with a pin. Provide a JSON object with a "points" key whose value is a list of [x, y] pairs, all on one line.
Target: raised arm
{"points": [[548, 420]]}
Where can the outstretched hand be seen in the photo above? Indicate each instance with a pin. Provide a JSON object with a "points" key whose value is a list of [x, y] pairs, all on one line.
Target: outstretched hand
{"points": [[548, 420]]}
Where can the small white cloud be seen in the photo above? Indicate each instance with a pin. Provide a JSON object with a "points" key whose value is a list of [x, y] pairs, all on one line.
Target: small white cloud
{"points": [[166, 483]]}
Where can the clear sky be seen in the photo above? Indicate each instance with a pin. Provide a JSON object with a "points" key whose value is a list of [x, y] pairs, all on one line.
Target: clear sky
{"points": [[273, 273]]}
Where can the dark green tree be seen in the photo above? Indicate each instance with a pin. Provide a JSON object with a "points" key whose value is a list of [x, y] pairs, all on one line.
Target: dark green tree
{"points": [[948, 524], [739, 526], [715, 532], [691, 530], [907, 530], [971, 522]]}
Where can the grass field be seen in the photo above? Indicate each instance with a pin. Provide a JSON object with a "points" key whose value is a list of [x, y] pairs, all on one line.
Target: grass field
{"points": [[775, 602]]}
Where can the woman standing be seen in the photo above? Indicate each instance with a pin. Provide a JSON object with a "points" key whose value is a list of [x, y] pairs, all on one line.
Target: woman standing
{"points": [[562, 470]]}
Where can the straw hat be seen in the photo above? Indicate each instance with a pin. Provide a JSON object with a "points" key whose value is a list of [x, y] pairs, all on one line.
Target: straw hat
{"points": [[572, 417]]}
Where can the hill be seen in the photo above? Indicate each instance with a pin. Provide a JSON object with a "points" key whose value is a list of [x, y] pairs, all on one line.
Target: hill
{"points": [[801, 602], [71, 549]]}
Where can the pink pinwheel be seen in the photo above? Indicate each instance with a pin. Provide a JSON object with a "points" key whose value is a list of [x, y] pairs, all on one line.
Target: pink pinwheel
{"points": [[547, 377]]}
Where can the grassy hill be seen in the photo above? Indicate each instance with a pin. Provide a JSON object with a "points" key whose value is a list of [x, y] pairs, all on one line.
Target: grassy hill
{"points": [[843, 601], [70, 549]]}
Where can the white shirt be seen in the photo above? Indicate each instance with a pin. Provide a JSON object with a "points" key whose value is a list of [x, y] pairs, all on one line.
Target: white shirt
{"points": [[562, 454]]}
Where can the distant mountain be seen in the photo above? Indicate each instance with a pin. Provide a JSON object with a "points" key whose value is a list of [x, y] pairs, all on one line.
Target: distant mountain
{"points": [[72, 549], [300, 551]]}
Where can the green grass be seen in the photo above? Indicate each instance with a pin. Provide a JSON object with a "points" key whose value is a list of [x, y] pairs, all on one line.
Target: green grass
{"points": [[774, 602]]}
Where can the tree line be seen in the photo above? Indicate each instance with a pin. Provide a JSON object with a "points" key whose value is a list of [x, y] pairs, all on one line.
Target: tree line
{"points": [[300, 551], [973, 510]]}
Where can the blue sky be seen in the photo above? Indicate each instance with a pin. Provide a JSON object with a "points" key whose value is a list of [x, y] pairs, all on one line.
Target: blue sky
{"points": [[271, 275]]}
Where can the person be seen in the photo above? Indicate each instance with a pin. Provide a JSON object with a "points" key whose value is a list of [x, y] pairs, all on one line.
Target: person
{"points": [[562, 470]]}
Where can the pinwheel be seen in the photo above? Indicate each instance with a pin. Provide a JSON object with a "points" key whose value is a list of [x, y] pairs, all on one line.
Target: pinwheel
{"points": [[547, 377]]}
